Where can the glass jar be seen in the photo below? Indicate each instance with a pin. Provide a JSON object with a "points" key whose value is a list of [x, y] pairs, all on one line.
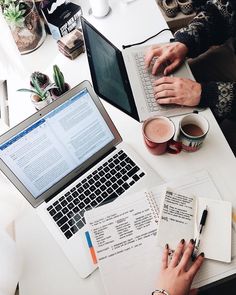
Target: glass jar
{"points": [[29, 33]]}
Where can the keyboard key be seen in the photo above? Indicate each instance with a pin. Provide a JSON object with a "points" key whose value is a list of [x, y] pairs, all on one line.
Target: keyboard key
{"points": [[108, 183], [57, 216], [97, 192], [91, 181], [115, 186], [97, 184], [94, 203], [111, 165], [77, 217], [65, 227], [102, 187], [104, 195], [86, 185], [76, 201], [65, 210], [87, 201], [80, 190], [81, 205], [75, 194], [64, 203], [70, 214], [133, 171], [76, 210], [120, 191], [56, 203], [125, 177], [52, 212], [69, 198], [73, 189], [49, 208], [125, 186], [80, 224], [71, 206], [68, 234], [87, 192], [135, 177], [99, 199], [62, 221], [74, 229], [141, 174], [81, 197], [92, 196], [58, 207]]}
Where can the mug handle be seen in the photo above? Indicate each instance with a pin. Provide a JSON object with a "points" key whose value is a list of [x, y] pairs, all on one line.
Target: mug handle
{"points": [[174, 147]]}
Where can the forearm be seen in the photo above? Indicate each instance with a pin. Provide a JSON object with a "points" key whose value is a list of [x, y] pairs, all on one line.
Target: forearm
{"points": [[212, 26], [220, 97]]}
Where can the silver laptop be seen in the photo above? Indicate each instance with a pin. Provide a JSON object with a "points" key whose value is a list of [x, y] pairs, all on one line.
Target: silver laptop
{"points": [[121, 78], [69, 158]]}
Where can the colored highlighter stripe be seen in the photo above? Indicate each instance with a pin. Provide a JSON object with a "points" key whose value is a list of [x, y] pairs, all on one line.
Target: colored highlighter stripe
{"points": [[91, 249]]}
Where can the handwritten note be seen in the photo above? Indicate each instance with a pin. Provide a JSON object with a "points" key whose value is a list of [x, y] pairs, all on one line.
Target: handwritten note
{"points": [[178, 213]]}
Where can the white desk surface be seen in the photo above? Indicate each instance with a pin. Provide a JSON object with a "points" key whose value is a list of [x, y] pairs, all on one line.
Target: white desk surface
{"points": [[45, 269]]}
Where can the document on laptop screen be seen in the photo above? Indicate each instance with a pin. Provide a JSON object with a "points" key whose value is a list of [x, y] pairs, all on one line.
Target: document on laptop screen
{"points": [[59, 142]]}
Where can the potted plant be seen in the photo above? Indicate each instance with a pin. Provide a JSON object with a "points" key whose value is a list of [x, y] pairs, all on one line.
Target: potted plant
{"points": [[25, 24], [42, 79], [61, 85], [39, 96]]}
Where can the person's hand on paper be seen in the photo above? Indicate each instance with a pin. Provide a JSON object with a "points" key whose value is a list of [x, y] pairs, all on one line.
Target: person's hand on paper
{"points": [[176, 275]]}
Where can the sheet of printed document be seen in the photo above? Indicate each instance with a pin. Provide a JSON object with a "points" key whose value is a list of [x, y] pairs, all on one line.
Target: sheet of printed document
{"points": [[132, 265], [180, 218]]}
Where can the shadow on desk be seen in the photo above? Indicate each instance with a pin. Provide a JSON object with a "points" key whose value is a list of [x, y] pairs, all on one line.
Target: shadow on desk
{"points": [[224, 286]]}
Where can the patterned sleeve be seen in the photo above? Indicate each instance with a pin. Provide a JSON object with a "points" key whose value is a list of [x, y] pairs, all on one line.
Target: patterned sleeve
{"points": [[211, 26], [220, 97]]}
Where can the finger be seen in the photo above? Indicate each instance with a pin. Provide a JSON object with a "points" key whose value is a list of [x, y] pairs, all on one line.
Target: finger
{"points": [[193, 292], [177, 254], [196, 265], [186, 255], [168, 93], [171, 67], [160, 61], [170, 100], [164, 80], [165, 257], [150, 54]]}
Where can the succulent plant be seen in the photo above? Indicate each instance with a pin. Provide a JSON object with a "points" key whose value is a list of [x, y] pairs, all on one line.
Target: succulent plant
{"points": [[37, 90], [59, 80], [14, 14], [41, 78]]}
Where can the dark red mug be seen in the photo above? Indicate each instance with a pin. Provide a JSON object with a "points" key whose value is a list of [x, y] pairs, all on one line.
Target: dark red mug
{"points": [[158, 134]]}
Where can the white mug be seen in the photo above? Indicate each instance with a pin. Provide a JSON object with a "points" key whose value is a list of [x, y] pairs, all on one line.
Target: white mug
{"points": [[100, 8]]}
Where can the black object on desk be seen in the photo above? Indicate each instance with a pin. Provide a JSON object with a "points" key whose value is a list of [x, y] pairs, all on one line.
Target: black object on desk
{"points": [[224, 286]]}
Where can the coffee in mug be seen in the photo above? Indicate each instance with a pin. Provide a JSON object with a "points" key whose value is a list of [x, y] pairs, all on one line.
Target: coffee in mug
{"points": [[193, 130], [158, 131]]}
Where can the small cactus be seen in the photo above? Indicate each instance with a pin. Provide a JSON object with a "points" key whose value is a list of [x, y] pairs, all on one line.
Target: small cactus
{"points": [[39, 77], [59, 80]]}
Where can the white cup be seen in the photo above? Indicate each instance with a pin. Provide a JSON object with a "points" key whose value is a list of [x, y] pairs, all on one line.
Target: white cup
{"points": [[100, 8]]}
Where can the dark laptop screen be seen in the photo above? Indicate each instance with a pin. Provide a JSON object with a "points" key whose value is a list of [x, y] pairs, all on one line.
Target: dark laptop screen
{"points": [[108, 71]]}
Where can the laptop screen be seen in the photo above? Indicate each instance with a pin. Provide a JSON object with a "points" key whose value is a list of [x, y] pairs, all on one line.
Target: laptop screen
{"points": [[60, 141], [108, 71]]}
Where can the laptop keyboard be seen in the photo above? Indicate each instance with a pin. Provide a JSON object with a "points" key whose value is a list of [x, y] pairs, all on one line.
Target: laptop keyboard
{"points": [[147, 82], [103, 185]]}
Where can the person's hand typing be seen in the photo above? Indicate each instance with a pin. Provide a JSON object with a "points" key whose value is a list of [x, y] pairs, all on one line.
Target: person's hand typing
{"points": [[177, 275], [171, 54], [174, 90]]}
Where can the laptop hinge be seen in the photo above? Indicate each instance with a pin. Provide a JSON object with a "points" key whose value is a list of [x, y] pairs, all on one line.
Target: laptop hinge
{"points": [[79, 174]]}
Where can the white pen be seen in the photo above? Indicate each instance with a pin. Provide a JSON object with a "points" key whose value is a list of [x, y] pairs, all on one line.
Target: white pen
{"points": [[197, 239]]}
